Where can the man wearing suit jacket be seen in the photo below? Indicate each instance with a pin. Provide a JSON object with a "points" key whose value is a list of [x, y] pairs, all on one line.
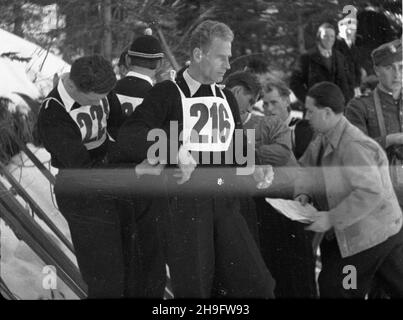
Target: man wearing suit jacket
{"points": [[322, 63]]}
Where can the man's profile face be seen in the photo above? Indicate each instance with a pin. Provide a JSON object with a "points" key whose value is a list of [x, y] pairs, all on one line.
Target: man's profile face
{"points": [[390, 76], [327, 38], [215, 63], [315, 115], [276, 105], [84, 98], [244, 98]]}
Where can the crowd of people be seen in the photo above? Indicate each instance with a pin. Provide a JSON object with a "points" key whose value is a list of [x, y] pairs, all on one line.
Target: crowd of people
{"points": [[191, 199]]}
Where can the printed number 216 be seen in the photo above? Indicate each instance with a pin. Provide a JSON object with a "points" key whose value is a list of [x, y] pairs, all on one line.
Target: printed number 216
{"points": [[219, 121]]}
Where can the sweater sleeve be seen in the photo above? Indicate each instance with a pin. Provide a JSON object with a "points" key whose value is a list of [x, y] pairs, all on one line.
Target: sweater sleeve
{"points": [[116, 117], [273, 142], [152, 113]]}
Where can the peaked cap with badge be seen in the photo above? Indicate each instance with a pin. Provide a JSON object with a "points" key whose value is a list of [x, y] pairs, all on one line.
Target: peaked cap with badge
{"points": [[387, 53]]}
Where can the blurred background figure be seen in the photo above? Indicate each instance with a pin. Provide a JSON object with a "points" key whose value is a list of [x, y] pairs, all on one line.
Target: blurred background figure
{"points": [[345, 43], [321, 63], [277, 102]]}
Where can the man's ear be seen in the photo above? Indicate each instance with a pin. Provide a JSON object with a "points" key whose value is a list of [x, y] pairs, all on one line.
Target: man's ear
{"points": [[237, 90], [376, 70], [287, 100], [127, 61], [197, 55], [70, 84], [328, 112]]}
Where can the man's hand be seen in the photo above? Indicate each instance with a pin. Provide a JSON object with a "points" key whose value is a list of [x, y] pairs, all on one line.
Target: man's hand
{"points": [[186, 165], [302, 198], [184, 172], [394, 139], [146, 167], [263, 175], [322, 222]]}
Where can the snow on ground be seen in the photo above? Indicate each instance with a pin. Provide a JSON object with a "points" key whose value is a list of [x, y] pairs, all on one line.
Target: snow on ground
{"points": [[14, 79], [20, 268], [43, 64]]}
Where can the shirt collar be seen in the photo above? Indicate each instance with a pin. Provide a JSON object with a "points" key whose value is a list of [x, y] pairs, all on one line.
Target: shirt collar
{"points": [[67, 100], [389, 93], [288, 120], [333, 136], [349, 42], [141, 76], [193, 84], [324, 52]]}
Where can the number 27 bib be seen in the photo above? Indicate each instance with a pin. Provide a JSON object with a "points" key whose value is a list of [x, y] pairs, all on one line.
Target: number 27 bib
{"points": [[208, 123]]}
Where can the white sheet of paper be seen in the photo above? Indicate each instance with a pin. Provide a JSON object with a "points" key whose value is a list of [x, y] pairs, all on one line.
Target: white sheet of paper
{"points": [[294, 210]]}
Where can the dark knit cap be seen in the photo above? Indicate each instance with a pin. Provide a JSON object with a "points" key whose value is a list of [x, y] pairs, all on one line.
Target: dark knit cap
{"points": [[146, 47], [327, 94], [387, 53]]}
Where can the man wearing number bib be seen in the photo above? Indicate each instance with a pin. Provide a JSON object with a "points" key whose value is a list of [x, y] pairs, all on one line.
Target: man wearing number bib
{"points": [[210, 251], [76, 123], [139, 213], [143, 58]]}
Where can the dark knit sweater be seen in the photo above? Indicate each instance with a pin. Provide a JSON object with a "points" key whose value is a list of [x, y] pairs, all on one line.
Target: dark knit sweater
{"points": [[131, 87], [62, 138], [161, 105]]}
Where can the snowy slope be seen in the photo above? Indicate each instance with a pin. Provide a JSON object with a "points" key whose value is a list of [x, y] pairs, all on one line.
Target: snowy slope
{"points": [[20, 268], [43, 64]]}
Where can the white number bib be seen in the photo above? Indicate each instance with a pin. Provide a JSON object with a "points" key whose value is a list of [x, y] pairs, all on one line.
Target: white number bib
{"points": [[129, 104], [208, 123], [92, 122]]}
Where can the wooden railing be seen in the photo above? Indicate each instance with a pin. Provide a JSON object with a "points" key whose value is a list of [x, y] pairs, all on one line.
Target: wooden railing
{"points": [[27, 229], [35, 207]]}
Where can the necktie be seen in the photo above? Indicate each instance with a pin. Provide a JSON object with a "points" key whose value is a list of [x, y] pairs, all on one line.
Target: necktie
{"points": [[321, 151]]}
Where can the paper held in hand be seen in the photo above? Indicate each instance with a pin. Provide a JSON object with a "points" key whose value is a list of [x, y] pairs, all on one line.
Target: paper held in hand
{"points": [[294, 210]]}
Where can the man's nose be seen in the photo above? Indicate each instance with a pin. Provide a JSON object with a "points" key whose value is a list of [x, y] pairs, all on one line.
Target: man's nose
{"points": [[398, 71], [270, 107], [227, 64]]}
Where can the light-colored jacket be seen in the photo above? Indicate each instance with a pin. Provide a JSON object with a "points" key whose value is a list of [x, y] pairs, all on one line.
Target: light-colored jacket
{"points": [[354, 185]]}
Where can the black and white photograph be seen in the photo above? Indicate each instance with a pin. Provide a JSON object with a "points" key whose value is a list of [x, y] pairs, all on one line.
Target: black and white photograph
{"points": [[199, 157]]}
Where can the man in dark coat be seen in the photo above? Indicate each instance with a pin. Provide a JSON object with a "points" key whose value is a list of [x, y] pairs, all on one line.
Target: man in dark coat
{"points": [[210, 251], [321, 63], [77, 123], [345, 43]]}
